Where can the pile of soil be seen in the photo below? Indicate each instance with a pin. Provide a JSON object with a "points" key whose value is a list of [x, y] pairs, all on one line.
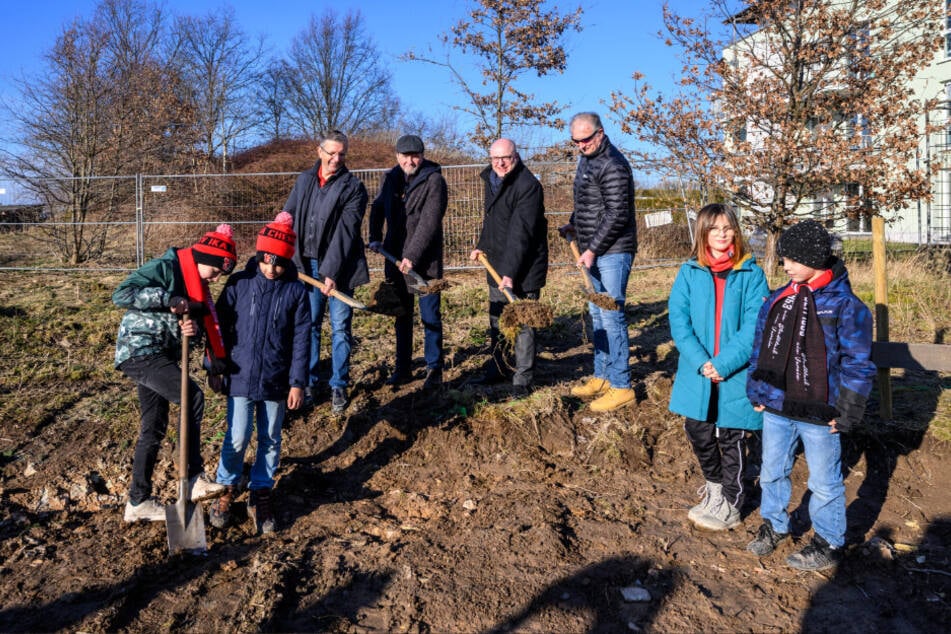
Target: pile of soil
{"points": [[469, 509]]}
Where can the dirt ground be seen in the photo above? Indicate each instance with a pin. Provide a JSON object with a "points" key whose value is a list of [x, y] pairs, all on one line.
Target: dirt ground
{"points": [[468, 510]]}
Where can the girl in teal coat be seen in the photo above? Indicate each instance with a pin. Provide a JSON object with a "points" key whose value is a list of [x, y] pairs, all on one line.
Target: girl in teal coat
{"points": [[713, 307]]}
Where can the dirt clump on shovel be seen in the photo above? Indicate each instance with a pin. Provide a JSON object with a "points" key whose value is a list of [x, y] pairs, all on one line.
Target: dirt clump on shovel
{"points": [[385, 300], [436, 286], [528, 312], [603, 301]]}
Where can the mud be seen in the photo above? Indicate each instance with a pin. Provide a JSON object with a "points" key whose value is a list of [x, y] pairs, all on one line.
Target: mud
{"points": [[525, 312], [468, 509]]}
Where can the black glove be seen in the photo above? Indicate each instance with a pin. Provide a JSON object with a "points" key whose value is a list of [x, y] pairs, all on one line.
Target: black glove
{"points": [[180, 306], [215, 366], [218, 383]]}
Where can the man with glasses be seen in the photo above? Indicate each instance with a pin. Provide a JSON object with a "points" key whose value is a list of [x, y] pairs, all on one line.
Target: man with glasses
{"points": [[328, 203], [515, 241], [604, 226], [412, 202]]}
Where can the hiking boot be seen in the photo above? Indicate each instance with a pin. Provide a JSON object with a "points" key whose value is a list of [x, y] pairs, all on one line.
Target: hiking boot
{"points": [[708, 493], [594, 387], [719, 515], [817, 555], [433, 379], [219, 513], [766, 540], [614, 398], [338, 400], [260, 510], [201, 488], [148, 510]]}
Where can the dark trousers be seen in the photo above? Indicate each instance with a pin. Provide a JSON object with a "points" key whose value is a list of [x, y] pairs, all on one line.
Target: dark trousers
{"points": [[524, 344], [721, 452], [430, 312], [158, 379]]}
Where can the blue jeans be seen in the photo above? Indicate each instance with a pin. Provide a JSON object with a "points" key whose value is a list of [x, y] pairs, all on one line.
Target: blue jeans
{"points": [[430, 312], [341, 339], [241, 413], [824, 458], [609, 327]]}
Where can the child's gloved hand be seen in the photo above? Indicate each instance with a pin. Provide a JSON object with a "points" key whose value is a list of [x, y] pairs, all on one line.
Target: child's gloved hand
{"points": [[181, 305], [216, 367]]}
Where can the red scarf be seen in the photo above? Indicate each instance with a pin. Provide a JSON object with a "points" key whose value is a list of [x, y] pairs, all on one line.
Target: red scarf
{"points": [[720, 267], [197, 290]]}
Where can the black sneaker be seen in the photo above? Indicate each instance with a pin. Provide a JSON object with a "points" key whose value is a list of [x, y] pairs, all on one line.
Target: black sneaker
{"points": [[338, 400], [766, 540], [433, 379], [219, 513], [817, 555]]}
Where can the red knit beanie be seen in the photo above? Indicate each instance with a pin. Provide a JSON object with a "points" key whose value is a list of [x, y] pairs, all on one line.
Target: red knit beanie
{"points": [[278, 237], [216, 248]]}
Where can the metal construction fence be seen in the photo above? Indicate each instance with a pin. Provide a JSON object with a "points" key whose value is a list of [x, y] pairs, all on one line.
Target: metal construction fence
{"points": [[124, 221]]}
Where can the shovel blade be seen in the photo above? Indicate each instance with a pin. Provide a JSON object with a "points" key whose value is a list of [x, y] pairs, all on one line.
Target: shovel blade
{"points": [[186, 527]]}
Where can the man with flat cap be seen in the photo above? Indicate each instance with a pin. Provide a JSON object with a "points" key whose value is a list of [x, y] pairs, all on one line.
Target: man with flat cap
{"points": [[412, 202]]}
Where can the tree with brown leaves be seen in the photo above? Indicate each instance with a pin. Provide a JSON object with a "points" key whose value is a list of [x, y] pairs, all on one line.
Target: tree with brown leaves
{"points": [[508, 39], [809, 109]]}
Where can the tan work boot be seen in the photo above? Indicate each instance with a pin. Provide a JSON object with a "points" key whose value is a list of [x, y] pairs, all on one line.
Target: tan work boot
{"points": [[614, 398], [594, 387]]}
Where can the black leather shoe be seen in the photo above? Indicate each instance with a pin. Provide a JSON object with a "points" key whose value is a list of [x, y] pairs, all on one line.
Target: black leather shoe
{"points": [[399, 378]]}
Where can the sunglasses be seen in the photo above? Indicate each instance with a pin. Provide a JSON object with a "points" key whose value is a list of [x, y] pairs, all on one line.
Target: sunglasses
{"points": [[586, 139]]}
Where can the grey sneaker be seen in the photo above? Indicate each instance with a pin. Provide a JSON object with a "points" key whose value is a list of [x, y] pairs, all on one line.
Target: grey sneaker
{"points": [[338, 400], [148, 510], [766, 540], [219, 513], [709, 492], [817, 555], [719, 515], [201, 488]]}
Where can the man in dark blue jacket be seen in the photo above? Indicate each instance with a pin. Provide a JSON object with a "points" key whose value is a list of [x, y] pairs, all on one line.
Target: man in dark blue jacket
{"points": [[328, 203], [515, 241], [412, 202], [604, 225]]}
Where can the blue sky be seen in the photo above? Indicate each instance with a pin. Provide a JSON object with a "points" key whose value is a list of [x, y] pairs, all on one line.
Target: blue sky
{"points": [[619, 37]]}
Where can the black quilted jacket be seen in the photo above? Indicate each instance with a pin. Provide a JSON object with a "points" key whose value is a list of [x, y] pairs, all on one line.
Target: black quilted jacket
{"points": [[604, 202]]}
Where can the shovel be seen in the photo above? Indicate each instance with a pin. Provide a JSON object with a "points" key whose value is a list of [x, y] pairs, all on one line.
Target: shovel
{"points": [[418, 285], [184, 519], [518, 312], [601, 300], [346, 299], [495, 276]]}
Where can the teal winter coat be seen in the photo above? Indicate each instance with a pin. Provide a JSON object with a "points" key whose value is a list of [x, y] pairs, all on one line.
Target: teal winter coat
{"points": [[692, 325]]}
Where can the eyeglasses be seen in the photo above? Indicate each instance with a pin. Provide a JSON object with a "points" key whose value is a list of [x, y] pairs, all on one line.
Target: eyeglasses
{"points": [[340, 154], [502, 159], [586, 139], [723, 230]]}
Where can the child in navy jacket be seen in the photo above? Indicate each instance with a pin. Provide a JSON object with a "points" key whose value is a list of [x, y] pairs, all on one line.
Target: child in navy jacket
{"points": [[265, 318], [811, 373]]}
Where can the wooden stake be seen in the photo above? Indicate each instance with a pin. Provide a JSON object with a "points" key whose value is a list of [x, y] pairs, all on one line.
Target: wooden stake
{"points": [[881, 312]]}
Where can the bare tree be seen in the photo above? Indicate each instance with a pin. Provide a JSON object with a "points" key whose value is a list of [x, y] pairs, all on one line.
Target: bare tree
{"points": [[339, 81], [509, 39], [97, 111], [814, 105], [221, 68], [271, 97]]}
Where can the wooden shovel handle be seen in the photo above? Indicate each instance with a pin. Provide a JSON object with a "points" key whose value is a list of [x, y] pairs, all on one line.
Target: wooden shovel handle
{"points": [[184, 411], [588, 284], [495, 276], [346, 299]]}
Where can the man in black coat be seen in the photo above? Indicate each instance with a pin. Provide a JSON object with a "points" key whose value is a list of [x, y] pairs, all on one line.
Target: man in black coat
{"points": [[515, 241], [604, 225], [412, 202], [328, 203]]}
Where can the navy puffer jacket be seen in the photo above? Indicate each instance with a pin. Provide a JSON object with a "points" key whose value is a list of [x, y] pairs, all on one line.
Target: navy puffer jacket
{"points": [[266, 328], [847, 329], [604, 202]]}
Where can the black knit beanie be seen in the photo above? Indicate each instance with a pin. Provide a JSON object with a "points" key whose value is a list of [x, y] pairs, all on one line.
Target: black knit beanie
{"points": [[807, 243]]}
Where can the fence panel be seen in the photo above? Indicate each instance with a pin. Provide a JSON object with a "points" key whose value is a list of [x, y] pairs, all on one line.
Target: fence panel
{"points": [[125, 221]]}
